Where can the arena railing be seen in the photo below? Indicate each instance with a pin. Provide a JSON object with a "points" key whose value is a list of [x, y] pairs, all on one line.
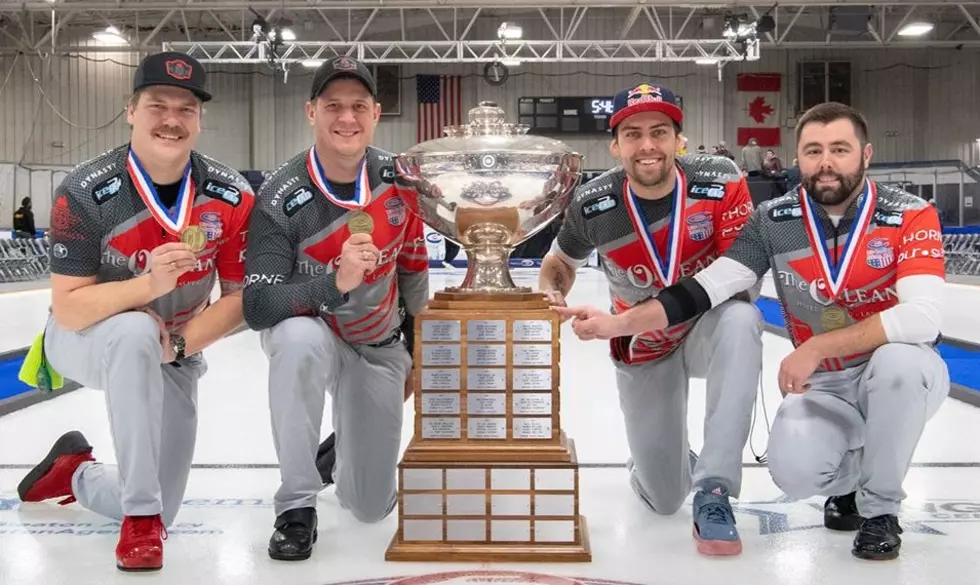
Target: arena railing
{"points": [[24, 259]]}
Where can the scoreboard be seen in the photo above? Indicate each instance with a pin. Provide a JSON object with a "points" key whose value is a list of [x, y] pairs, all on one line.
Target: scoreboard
{"points": [[567, 115]]}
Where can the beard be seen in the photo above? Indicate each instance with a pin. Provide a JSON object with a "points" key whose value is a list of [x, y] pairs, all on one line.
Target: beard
{"points": [[846, 184], [653, 179]]}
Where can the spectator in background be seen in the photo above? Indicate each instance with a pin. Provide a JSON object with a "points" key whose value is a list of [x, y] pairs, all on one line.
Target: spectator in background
{"points": [[701, 149], [772, 169], [793, 174], [772, 166], [24, 220], [722, 150], [752, 158]]}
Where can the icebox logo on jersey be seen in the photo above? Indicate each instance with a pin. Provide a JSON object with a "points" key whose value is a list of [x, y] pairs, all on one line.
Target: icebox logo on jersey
{"points": [[786, 212], [388, 174], [296, 201], [211, 224], [223, 192], [699, 226], [599, 206], [880, 254], [707, 191], [395, 209], [888, 218], [107, 189]]}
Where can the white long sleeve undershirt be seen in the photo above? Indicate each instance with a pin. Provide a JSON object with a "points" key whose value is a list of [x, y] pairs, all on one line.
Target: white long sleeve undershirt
{"points": [[917, 318]]}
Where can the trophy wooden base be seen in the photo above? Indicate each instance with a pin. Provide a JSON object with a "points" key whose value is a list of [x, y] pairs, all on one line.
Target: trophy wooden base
{"points": [[476, 511], [493, 553], [489, 475]]}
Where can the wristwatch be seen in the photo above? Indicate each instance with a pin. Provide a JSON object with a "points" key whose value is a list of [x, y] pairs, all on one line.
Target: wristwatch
{"points": [[177, 344]]}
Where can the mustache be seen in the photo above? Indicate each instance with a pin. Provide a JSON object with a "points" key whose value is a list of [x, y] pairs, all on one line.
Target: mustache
{"points": [[829, 175], [173, 130]]}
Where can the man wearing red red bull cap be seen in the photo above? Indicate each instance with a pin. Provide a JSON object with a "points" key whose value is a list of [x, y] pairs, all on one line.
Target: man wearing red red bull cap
{"points": [[655, 219]]}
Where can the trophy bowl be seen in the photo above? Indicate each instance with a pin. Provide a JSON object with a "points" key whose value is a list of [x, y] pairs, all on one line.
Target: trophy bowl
{"points": [[488, 186]]}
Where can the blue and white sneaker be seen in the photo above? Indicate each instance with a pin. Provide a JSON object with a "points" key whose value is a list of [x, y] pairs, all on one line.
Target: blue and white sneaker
{"points": [[714, 524]]}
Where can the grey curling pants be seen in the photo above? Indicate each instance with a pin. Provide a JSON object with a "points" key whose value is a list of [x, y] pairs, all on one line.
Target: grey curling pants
{"points": [[366, 384], [152, 411], [725, 348], [857, 429]]}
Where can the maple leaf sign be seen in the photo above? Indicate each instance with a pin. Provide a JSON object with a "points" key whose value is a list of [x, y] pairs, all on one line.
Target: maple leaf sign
{"points": [[759, 109]]}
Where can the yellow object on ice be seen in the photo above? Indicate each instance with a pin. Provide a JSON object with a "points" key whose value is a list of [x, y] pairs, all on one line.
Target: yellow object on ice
{"points": [[37, 372]]}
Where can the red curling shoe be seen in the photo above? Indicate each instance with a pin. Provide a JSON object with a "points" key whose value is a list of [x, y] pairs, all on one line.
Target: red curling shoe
{"points": [[51, 478], [140, 545]]}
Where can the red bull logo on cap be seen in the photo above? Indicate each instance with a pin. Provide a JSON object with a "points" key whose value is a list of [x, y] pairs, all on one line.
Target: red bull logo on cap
{"points": [[644, 93]]}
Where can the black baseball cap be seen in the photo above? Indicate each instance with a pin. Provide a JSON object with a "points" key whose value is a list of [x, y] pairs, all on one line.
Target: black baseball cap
{"points": [[175, 69], [645, 98], [339, 67]]}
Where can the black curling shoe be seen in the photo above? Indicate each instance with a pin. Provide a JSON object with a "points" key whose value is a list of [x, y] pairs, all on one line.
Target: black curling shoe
{"points": [[841, 513], [877, 539], [294, 536]]}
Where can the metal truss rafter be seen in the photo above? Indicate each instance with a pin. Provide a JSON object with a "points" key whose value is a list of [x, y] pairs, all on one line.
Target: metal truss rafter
{"points": [[456, 30], [547, 51], [188, 6]]}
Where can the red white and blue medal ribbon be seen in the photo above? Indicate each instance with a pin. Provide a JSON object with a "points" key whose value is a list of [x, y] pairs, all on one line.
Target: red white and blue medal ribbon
{"points": [[667, 272], [362, 192], [172, 221], [835, 274]]}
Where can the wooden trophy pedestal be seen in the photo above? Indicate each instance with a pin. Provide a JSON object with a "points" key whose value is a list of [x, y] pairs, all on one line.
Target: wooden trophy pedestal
{"points": [[489, 475]]}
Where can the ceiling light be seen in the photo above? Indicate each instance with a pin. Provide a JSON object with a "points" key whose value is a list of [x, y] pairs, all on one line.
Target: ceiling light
{"points": [[915, 29], [109, 36], [510, 62], [312, 63], [288, 34], [706, 61], [509, 31]]}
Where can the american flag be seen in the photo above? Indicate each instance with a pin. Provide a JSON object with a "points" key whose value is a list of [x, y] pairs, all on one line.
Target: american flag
{"points": [[440, 104]]}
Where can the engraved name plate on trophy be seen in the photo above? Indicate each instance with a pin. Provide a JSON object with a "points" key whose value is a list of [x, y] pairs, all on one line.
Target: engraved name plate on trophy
{"points": [[441, 330], [486, 330], [486, 355], [532, 355], [532, 330]]}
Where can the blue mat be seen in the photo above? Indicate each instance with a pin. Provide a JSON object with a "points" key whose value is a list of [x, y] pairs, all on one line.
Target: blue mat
{"points": [[963, 364], [9, 384]]}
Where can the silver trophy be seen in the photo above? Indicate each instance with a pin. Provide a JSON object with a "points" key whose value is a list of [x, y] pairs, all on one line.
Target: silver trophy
{"points": [[489, 186]]}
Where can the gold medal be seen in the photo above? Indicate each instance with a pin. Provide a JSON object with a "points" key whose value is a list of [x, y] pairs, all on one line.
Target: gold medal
{"points": [[833, 318], [194, 237], [360, 222]]}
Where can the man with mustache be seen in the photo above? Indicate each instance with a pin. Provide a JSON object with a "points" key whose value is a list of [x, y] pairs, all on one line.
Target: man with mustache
{"points": [[655, 219], [859, 273], [333, 249], [139, 236]]}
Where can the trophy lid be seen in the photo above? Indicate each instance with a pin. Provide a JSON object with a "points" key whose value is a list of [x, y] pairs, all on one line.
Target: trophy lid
{"points": [[488, 130]]}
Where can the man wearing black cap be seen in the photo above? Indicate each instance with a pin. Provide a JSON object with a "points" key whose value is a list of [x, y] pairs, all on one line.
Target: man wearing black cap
{"points": [[139, 236], [333, 249], [655, 219]]}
